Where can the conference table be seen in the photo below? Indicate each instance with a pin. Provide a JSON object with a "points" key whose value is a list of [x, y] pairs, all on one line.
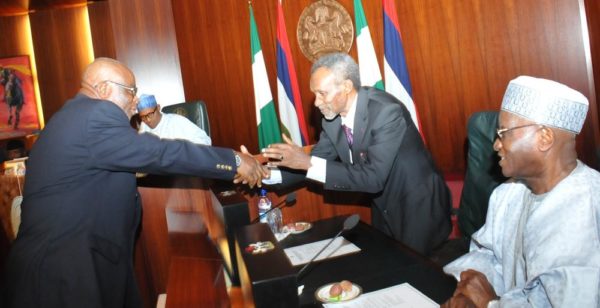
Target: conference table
{"points": [[270, 280]]}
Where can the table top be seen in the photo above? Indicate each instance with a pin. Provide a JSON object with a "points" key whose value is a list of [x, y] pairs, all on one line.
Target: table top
{"points": [[381, 263]]}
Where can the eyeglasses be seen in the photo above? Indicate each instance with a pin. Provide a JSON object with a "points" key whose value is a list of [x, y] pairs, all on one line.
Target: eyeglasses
{"points": [[132, 90], [501, 131], [149, 115]]}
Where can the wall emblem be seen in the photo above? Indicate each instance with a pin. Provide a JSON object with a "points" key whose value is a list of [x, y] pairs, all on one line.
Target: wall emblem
{"points": [[324, 27]]}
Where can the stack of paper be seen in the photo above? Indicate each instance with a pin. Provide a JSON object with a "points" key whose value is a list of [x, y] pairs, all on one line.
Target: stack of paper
{"points": [[398, 296], [304, 253]]}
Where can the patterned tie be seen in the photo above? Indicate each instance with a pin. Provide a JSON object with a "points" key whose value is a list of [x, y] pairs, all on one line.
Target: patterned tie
{"points": [[348, 133]]}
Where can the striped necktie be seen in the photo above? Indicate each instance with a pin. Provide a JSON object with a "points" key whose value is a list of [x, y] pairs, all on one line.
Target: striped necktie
{"points": [[348, 133]]}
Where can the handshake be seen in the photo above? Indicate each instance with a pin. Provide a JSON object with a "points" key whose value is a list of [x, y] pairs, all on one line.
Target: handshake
{"points": [[254, 168]]}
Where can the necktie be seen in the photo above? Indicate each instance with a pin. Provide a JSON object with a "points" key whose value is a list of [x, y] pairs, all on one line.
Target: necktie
{"points": [[348, 133]]}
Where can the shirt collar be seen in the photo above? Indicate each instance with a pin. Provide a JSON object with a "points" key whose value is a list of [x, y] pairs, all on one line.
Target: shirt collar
{"points": [[348, 120]]}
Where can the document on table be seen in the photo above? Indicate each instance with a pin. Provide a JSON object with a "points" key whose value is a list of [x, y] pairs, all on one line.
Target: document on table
{"points": [[304, 253], [398, 296]]}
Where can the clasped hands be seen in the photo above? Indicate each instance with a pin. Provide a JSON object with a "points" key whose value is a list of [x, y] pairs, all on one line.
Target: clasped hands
{"points": [[254, 168], [287, 155], [473, 290]]}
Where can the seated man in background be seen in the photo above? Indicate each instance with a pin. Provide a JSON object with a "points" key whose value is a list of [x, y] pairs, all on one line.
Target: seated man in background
{"points": [[370, 144], [540, 244], [167, 125]]}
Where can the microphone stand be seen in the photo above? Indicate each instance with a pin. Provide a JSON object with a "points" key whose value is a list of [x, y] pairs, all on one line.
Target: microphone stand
{"points": [[300, 272], [349, 223]]}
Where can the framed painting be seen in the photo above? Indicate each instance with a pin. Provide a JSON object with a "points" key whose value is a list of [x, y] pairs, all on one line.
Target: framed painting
{"points": [[18, 108]]}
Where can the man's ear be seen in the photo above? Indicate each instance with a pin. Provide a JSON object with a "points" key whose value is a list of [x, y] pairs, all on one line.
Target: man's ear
{"points": [[547, 138], [348, 86], [103, 90]]}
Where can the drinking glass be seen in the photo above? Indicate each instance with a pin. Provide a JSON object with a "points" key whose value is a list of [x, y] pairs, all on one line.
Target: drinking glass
{"points": [[275, 220]]}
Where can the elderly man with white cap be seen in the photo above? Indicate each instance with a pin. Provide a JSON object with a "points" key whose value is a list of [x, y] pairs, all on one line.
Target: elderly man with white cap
{"points": [[540, 245], [167, 125]]}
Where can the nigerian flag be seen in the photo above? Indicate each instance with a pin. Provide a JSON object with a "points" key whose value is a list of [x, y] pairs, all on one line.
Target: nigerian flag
{"points": [[266, 117], [367, 60]]}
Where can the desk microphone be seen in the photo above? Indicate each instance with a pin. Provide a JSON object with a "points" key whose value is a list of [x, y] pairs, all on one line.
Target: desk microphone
{"points": [[290, 199], [349, 223]]}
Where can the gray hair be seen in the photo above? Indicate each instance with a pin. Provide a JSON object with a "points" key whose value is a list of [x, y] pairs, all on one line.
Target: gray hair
{"points": [[341, 65]]}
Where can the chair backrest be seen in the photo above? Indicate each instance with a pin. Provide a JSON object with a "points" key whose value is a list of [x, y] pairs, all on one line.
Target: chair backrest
{"points": [[195, 111], [483, 172]]}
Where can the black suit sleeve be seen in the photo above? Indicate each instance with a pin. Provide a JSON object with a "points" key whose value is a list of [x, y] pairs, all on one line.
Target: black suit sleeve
{"points": [[114, 145]]}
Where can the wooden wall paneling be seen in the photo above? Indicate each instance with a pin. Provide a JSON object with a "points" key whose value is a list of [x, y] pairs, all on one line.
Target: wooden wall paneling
{"points": [[214, 47], [568, 62], [62, 45], [101, 29], [204, 34], [53, 4], [13, 29], [460, 56], [145, 41], [592, 11], [13, 7], [447, 41]]}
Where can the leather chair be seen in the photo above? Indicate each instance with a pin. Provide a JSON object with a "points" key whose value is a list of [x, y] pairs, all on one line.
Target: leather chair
{"points": [[483, 173], [195, 111], [482, 176]]}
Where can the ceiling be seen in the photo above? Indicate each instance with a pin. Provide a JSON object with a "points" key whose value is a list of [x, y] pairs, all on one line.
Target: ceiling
{"points": [[18, 7]]}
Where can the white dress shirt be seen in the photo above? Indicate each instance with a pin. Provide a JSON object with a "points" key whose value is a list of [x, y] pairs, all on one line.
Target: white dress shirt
{"points": [[318, 168]]}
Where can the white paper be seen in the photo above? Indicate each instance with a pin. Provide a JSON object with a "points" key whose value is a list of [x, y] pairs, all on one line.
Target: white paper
{"points": [[304, 253], [279, 236], [399, 296]]}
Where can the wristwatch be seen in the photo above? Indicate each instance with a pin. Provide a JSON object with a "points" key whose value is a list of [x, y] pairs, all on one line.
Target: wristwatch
{"points": [[238, 160]]}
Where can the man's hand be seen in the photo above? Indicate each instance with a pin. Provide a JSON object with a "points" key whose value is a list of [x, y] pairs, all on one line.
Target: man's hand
{"points": [[250, 171], [474, 286], [458, 301], [287, 154]]}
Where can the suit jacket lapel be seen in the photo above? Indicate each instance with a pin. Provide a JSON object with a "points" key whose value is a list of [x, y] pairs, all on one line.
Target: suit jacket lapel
{"points": [[360, 118], [334, 130]]}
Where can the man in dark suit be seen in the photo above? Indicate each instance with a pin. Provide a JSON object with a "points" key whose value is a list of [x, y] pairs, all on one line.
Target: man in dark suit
{"points": [[79, 213], [370, 144]]}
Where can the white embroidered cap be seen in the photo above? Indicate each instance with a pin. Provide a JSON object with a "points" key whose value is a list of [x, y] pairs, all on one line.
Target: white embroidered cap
{"points": [[546, 102]]}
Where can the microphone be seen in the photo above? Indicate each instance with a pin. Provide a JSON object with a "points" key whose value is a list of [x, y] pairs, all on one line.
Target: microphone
{"points": [[290, 199], [349, 223]]}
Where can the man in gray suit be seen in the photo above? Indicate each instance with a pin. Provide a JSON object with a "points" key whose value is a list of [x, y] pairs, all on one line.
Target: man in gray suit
{"points": [[370, 144]]}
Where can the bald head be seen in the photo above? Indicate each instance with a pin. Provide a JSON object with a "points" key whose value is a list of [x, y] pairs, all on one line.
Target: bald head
{"points": [[106, 69], [110, 80]]}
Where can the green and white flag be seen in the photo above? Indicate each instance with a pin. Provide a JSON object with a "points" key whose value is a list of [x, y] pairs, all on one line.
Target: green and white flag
{"points": [[266, 117], [367, 60]]}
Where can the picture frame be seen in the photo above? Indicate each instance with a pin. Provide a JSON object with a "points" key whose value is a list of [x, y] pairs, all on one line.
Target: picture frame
{"points": [[18, 108]]}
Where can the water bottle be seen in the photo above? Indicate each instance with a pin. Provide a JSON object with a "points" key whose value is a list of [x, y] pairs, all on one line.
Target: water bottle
{"points": [[264, 205]]}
